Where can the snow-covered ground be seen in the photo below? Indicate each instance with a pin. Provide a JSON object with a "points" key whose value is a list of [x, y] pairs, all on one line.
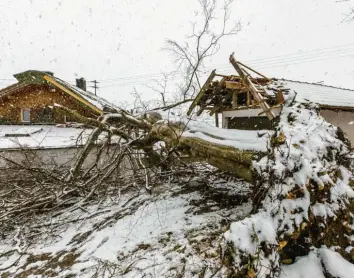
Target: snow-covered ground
{"points": [[176, 231]]}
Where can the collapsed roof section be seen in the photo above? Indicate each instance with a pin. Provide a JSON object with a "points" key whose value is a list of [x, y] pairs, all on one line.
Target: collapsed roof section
{"points": [[246, 91], [221, 92]]}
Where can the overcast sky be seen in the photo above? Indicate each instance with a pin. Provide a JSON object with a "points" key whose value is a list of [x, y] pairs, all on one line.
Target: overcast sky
{"points": [[116, 41]]}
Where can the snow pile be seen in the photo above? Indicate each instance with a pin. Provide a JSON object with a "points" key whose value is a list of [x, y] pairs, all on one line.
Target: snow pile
{"points": [[303, 197], [241, 139], [203, 127], [312, 265]]}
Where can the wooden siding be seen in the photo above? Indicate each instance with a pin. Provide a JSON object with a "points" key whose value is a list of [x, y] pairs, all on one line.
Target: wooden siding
{"points": [[38, 98]]}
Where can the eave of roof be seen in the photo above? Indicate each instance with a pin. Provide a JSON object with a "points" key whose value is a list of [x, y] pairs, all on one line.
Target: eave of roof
{"points": [[324, 95], [313, 83], [12, 88]]}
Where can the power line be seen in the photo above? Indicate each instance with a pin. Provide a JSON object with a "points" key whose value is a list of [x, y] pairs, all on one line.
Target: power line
{"points": [[287, 63], [95, 86], [271, 65], [308, 56], [272, 59]]}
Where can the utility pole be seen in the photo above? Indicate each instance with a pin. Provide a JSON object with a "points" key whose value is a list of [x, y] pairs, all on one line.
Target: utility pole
{"points": [[95, 86]]}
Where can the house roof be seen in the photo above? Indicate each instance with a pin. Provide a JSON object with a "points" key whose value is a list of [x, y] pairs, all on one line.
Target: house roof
{"points": [[218, 91], [96, 103], [325, 96], [95, 100]]}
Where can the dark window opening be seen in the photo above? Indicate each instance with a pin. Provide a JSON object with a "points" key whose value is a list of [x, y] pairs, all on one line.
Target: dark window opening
{"points": [[251, 123], [242, 99]]}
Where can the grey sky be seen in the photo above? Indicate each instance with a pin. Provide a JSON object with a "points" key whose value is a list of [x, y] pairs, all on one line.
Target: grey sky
{"points": [[115, 41]]}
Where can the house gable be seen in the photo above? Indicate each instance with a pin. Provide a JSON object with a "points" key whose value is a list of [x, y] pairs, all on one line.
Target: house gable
{"points": [[38, 98], [38, 89]]}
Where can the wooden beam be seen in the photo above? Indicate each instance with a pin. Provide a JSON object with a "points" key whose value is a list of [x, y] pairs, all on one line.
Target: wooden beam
{"points": [[256, 94], [217, 119], [271, 108], [209, 108], [213, 110], [221, 75], [256, 72], [201, 93], [280, 97], [234, 100], [215, 92], [233, 85]]}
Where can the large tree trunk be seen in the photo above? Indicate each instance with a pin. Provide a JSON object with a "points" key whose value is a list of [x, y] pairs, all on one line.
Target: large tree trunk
{"points": [[210, 148], [303, 196]]}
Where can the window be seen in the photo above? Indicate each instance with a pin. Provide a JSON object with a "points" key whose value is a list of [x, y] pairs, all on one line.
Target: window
{"points": [[25, 115]]}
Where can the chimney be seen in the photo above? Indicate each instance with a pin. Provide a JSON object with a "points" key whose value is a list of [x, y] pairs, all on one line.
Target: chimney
{"points": [[81, 83]]}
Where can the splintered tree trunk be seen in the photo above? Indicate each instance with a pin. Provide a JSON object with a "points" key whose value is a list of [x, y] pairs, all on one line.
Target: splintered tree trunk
{"points": [[229, 159], [303, 200]]}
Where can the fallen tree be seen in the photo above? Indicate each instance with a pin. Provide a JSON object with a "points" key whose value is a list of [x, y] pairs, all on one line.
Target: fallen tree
{"points": [[180, 138], [302, 180], [303, 196]]}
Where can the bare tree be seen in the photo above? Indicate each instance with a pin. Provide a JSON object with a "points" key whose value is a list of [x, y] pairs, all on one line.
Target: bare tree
{"points": [[212, 24]]}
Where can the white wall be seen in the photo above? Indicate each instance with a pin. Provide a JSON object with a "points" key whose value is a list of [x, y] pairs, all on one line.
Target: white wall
{"points": [[53, 158], [343, 119]]}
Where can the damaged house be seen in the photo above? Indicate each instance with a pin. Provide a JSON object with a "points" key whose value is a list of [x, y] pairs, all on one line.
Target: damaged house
{"points": [[252, 101], [28, 101]]}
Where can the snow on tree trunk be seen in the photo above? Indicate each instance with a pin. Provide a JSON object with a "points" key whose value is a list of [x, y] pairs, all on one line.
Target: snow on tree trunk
{"points": [[303, 199]]}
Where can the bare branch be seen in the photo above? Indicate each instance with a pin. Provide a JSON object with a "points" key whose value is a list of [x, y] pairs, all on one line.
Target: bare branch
{"points": [[204, 42]]}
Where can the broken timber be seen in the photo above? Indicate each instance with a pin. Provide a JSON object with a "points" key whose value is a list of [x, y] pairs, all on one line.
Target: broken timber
{"points": [[255, 93], [202, 91]]}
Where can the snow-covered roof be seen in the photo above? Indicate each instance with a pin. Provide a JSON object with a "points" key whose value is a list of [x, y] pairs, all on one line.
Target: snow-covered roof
{"points": [[95, 100], [41, 136], [222, 93], [320, 94]]}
